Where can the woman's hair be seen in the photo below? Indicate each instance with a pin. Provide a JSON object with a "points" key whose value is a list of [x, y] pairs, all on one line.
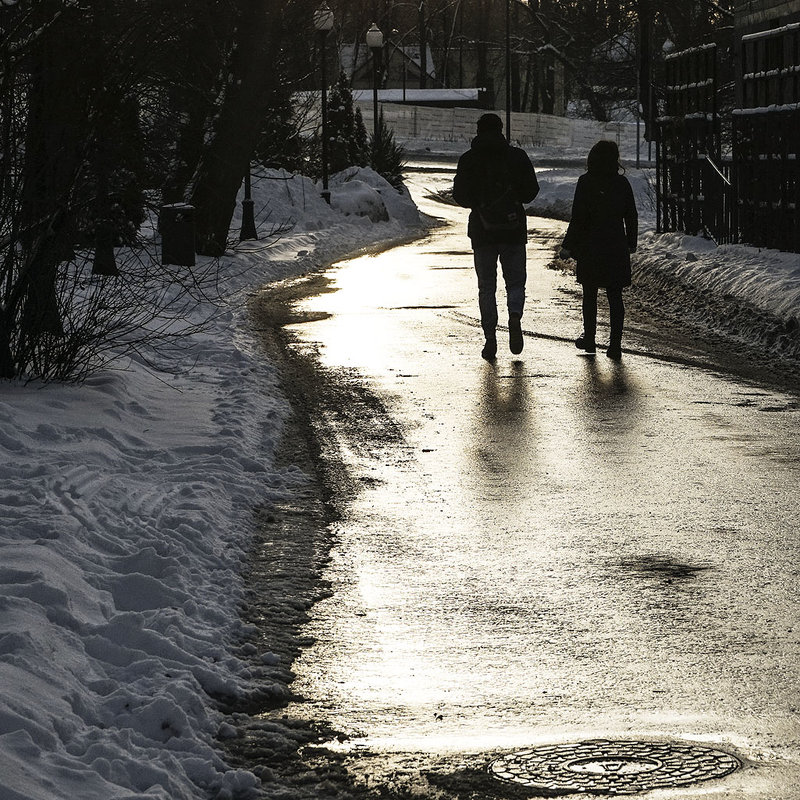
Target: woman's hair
{"points": [[603, 158]]}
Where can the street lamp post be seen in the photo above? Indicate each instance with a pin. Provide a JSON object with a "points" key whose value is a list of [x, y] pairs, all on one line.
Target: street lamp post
{"points": [[461, 39], [508, 70], [405, 73], [374, 39], [248, 229], [323, 22], [423, 47], [393, 41]]}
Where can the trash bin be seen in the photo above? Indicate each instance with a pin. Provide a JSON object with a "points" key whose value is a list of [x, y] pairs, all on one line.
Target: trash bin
{"points": [[176, 223]]}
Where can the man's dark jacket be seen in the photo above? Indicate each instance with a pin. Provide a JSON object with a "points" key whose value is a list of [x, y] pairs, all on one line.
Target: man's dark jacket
{"points": [[491, 154]]}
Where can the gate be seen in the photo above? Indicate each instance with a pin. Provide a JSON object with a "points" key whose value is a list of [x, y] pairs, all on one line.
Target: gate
{"points": [[693, 186], [749, 193]]}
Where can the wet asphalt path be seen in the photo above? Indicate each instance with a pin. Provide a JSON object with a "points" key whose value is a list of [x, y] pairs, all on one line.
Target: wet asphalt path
{"points": [[558, 547]]}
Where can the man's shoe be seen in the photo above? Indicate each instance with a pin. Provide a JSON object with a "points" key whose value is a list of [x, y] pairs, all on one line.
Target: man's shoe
{"points": [[582, 343], [614, 352], [515, 340], [489, 351]]}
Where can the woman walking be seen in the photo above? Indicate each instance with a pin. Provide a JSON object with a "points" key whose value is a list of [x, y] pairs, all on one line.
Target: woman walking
{"points": [[601, 236]]}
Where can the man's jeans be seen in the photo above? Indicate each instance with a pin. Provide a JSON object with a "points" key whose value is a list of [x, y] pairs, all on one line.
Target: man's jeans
{"points": [[512, 261]]}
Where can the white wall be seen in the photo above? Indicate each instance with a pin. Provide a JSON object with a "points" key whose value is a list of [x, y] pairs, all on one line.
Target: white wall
{"points": [[531, 130]]}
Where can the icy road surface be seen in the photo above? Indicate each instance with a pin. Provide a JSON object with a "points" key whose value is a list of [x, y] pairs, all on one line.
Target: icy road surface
{"points": [[558, 547]]}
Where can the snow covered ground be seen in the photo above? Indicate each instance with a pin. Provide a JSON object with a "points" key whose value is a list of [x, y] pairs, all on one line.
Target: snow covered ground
{"points": [[126, 509]]}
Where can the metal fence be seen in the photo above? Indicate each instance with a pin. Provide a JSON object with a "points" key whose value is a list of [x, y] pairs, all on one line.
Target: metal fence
{"points": [[749, 192], [693, 181], [766, 139]]}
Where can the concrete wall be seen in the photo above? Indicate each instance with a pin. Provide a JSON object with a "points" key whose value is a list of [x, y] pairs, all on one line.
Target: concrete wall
{"points": [[530, 130]]}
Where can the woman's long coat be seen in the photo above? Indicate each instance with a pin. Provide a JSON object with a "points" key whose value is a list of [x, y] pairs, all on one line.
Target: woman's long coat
{"points": [[603, 230]]}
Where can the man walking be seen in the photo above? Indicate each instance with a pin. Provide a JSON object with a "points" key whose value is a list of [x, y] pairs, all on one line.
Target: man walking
{"points": [[494, 180]]}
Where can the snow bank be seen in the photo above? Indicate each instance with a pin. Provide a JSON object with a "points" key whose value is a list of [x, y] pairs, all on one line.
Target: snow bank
{"points": [[556, 189], [284, 201], [767, 279], [744, 292], [363, 192], [358, 198], [126, 510], [124, 518]]}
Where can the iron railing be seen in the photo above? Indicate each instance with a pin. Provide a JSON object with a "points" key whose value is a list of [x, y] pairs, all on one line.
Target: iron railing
{"points": [[751, 195]]}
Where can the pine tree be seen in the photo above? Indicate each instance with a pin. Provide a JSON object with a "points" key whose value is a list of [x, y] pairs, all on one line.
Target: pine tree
{"points": [[279, 144], [347, 143], [387, 157], [361, 139]]}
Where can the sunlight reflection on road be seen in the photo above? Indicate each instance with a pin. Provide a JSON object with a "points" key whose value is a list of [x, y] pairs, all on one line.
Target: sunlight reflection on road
{"points": [[561, 546]]}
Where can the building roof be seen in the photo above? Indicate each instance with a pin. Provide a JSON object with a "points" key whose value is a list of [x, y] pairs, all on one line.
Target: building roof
{"points": [[354, 61]]}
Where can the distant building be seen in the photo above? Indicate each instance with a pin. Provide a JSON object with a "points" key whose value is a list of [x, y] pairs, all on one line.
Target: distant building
{"points": [[438, 98], [400, 66], [462, 69]]}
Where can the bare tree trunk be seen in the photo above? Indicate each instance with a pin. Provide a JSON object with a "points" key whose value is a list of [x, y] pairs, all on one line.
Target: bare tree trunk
{"points": [[57, 112], [232, 133], [527, 83], [194, 81], [584, 81], [535, 85], [482, 78]]}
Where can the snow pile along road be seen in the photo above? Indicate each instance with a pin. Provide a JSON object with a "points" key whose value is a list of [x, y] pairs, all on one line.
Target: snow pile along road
{"points": [[126, 510], [746, 293]]}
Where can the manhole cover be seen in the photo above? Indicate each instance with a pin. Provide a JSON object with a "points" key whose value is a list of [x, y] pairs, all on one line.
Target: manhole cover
{"points": [[612, 767]]}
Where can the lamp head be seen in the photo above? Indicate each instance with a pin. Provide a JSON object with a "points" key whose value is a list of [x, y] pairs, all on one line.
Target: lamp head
{"points": [[374, 37]]}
